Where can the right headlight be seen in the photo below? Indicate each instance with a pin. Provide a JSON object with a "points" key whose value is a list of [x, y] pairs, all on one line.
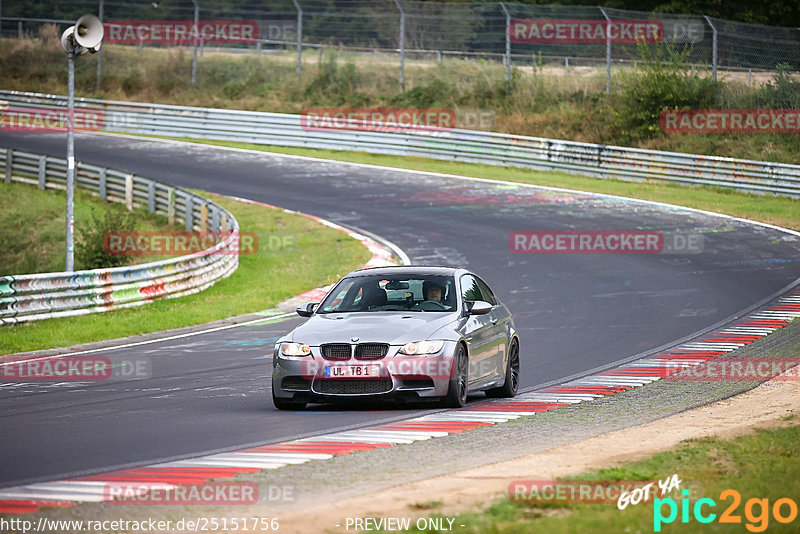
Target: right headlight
{"points": [[416, 348], [295, 350]]}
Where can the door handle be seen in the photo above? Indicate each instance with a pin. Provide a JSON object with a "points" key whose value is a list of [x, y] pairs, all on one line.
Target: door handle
{"points": [[494, 320]]}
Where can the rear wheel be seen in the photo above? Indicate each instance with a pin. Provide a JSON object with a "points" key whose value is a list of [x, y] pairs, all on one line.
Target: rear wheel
{"points": [[509, 389], [457, 391], [287, 404]]}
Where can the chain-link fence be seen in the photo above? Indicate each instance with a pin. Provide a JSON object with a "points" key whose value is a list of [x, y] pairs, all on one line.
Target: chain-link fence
{"points": [[503, 33]]}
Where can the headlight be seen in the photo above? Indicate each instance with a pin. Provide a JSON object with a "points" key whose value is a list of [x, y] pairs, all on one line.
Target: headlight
{"points": [[421, 347], [296, 350]]}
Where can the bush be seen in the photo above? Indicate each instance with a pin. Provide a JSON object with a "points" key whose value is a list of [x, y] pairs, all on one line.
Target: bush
{"points": [[90, 251], [663, 81], [782, 92]]}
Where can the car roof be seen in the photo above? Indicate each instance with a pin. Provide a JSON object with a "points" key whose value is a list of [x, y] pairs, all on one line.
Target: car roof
{"points": [[406, 270]]}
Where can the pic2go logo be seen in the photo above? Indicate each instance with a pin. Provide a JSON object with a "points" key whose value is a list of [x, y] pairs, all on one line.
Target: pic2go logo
{"points": [[756, 511]]}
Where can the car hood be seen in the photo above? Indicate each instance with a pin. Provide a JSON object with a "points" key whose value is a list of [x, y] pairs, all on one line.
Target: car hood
{"points": [[394, 328]]}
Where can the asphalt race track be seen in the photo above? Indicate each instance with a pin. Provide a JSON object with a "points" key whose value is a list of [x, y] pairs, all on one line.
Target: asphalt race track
{"points": [[574, 312]]}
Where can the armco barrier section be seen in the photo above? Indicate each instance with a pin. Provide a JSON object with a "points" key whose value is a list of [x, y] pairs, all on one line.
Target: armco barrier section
{"points": [[456, 145], [41, 296]]}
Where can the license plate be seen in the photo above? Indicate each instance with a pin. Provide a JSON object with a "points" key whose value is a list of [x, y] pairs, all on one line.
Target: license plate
{"points": [[350, 371]]}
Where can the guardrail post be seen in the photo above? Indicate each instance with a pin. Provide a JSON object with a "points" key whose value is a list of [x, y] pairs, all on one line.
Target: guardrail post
{"points": [[9, 164], [188, 213], [402, 44], [508, 47], [608, 50], [42, 171], [713, 54], [151, 197], [102, 188], [171, 206], [129, 192], [299, 39], [215, 220], [203, 217]]}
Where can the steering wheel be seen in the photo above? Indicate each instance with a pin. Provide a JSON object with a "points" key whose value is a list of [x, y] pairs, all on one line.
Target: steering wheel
{"points": [[431, 305]]}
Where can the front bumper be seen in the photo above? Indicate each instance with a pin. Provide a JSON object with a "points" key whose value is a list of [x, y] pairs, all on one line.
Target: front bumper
{"points": [[400, 376]]}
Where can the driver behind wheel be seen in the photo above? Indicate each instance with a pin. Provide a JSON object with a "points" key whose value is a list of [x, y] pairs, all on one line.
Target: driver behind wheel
{"points": [[433, 291]]}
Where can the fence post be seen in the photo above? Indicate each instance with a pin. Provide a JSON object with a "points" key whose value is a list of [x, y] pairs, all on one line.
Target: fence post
{"points": [[508, 47], [129, 192], [197, 38], [42, 171], [9, 164], [151, 196], [188, 212], [171, 206], [608, 50], [299, 39], [102, 187], [100, 52], [713, 54], [402, 44]]}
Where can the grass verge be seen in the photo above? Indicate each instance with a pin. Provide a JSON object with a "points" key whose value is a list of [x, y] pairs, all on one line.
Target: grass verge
{"points": [[781, 211], [764, 466], [308, 255], [32, 227]]}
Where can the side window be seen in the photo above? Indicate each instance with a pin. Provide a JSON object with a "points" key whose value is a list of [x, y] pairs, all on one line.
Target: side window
{"points": [[488, 296], [470, 289]]}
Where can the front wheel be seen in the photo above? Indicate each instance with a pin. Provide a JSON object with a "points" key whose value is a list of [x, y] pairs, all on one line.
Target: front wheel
{"points": [[509, 389], [287, 404], [457, 391]]}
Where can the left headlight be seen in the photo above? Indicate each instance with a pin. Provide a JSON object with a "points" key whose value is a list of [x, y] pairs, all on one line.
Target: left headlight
{"points": [[295, 350], [415, 348]]}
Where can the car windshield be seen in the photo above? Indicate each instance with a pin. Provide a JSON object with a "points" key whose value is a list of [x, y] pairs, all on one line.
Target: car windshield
{"points": [[381, 293]]}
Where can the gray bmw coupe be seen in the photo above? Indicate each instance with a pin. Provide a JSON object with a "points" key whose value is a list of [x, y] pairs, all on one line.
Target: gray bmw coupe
{"points": [[411, 333]]}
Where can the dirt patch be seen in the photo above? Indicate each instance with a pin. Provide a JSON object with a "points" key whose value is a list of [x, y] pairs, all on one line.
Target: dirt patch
{"points": [[767, 406]]}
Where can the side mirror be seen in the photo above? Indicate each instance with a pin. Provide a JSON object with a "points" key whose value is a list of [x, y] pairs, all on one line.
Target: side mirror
{"points": [[307, 309], [479, 307]]}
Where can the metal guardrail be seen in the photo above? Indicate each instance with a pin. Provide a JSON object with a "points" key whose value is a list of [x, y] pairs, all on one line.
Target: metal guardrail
{"points": [[47, 295], [489, 148]]}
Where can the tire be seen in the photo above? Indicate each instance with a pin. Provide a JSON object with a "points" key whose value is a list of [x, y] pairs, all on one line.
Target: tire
{"points": [[457, 391], [287, 404], [511, 385]]}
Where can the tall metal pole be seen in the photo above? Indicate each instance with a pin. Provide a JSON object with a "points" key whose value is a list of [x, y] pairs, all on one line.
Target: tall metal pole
{"points": [[713, 54], [402, 44], [299, 39], [70, 223], [608, 50], [508, 47], [100, 52], [197, 38], [1, 22]]}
